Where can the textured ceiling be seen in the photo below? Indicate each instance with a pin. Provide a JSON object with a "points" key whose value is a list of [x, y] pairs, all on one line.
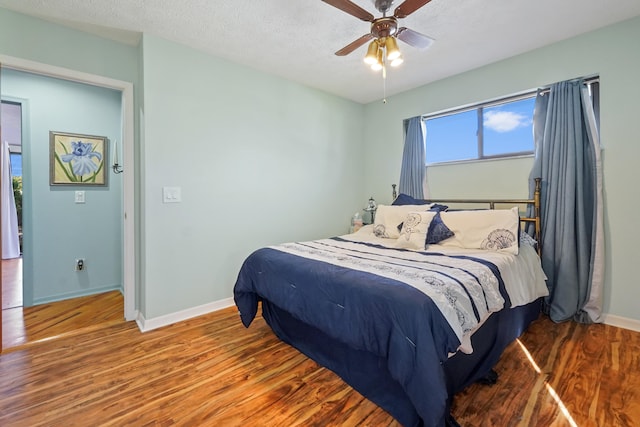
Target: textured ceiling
{"points": [[296, 39]]}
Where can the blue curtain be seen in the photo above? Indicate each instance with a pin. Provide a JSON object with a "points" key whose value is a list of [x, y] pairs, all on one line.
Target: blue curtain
{"points": [[412, 173], [567, 159]]}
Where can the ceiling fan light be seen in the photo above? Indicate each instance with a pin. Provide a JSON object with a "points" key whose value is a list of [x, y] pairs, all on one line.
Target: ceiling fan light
{"points": [[392, 48], [397, 61], [372, 53], [379, 64]]}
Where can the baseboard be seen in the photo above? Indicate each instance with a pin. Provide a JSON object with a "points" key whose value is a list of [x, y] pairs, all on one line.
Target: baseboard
{"points": [[76, 294], [622, 322], [168, 319]]}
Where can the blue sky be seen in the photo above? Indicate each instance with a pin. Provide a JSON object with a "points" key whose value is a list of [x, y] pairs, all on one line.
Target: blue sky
{"points": [[507, 129]]}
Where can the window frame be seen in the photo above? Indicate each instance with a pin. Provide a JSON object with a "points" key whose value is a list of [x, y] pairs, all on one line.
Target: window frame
{"points": [[479, 108]]}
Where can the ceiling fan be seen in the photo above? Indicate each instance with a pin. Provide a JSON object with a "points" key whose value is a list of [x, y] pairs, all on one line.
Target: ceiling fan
{"points": [[384, 31]]}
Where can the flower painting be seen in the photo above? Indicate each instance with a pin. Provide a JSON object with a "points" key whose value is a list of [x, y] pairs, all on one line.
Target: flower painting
{"points": [[77, 159]]}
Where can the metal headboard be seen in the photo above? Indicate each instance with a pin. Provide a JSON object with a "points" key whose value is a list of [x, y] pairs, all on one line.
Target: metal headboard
{"points": [[535, 202]]}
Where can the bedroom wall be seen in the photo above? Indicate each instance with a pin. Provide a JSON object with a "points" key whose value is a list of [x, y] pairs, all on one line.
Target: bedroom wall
{"points": [[29, 38], [57, 231], [41, 41], [259, 160], [258, 150], [610, 52]]}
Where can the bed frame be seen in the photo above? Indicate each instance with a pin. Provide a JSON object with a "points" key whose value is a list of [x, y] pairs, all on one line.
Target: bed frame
{"points": [[366, 371], [491, 203]]}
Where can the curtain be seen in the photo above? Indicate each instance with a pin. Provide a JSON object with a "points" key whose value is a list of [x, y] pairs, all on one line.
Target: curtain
{"points": [[10, 238], [413, 171], [567, 159]]}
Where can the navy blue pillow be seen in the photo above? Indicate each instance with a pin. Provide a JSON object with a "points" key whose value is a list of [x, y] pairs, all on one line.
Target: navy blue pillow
{"points": [[438, 231], [405, 199], [438, 207]]}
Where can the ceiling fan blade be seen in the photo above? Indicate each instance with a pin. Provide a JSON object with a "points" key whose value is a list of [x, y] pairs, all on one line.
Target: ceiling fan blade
{"points": [[354, 45], [414, 38], [351, 9], [408, 7]]}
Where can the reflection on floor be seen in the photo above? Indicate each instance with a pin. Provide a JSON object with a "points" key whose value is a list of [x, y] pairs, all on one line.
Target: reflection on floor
{"points": [[25, 326]]}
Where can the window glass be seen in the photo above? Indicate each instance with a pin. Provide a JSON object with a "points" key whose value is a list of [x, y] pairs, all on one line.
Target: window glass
{"points": [[452, 137], [506, 129], [16, 164]]}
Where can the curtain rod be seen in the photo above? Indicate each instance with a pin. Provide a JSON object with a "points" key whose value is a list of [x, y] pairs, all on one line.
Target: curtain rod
{"points": [[587, 81], [515, 97]]}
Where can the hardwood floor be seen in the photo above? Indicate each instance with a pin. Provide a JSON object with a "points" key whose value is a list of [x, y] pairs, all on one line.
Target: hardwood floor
{"points": [[211, 371], [11, 283], [29, 325]]}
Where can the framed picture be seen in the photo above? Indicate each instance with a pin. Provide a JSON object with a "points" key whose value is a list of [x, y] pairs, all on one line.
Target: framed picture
{"points": [[77, 159]]}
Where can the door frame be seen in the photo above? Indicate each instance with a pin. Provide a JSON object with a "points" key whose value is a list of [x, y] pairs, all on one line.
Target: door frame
{"points": [[128, 125]]}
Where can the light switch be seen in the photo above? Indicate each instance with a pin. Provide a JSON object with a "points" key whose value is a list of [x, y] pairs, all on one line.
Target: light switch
{"points": [[171, 195], [79, 196]]}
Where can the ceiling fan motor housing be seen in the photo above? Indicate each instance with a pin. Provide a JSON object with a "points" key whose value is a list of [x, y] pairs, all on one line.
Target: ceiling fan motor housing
{"points": [[383, 5], [384, 27]]}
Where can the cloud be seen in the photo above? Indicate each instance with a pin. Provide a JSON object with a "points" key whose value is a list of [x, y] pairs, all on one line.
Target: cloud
{"points": [[505, 121]]}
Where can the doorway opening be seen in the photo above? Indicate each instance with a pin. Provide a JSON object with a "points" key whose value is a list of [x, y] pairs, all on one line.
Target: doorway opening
{"points": [[11, 123], [127, 214]]}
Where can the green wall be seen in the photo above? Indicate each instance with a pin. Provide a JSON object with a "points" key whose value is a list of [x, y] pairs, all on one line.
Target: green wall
{"points": [[610, 52], [260, 160], [29, 38], [57, 231]]}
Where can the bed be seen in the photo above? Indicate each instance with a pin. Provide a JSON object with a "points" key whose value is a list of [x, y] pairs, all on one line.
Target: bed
{"points": [[404, 318]]}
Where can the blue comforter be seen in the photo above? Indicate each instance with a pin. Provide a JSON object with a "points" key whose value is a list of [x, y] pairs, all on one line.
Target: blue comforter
{"points": [[407, 308]]}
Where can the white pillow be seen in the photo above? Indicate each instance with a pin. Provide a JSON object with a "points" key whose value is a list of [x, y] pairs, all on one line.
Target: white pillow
{"points": [[414, 230], [493, 229], [388, 218]]}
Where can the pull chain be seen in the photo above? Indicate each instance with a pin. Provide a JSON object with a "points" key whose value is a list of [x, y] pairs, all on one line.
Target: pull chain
{"points": [[384, 80]]}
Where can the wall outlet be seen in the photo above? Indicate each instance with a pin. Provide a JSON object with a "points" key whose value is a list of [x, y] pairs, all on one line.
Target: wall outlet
{"points": [[80, 265]]}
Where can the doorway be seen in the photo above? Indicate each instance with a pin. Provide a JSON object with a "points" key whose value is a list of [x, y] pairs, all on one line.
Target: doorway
{"points": [[127, 214], [11, 123]]}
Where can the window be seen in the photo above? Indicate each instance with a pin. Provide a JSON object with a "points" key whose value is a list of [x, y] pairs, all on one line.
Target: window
{"points": [[16, 164], [499, 128], [12, 133]]}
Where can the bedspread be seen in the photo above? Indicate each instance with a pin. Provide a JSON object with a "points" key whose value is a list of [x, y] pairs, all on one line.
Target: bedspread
{"points": [[412, 309]]}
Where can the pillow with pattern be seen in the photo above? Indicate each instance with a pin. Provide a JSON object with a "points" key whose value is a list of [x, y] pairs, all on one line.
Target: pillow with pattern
{"points": [[388, 218], [414, 230], [493, 230]]}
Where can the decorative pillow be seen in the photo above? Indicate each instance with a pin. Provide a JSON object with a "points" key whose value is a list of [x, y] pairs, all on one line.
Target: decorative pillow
{"points": [[436, 207], [414, 230], [493, 230], [388, 218], [438, 231], [405, 199], [526, 239]]}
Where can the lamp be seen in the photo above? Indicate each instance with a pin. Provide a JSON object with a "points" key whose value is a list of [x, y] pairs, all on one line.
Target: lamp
{"points": [[372, 53], [372, 206], [383, 51], [379, 64], [397, 61], [392, 48]]}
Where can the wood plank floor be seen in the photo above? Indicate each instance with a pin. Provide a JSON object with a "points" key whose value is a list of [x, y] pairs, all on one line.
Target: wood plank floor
{"points": [[28, 325], [211, 371], [25, 326], [11, 283]]}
